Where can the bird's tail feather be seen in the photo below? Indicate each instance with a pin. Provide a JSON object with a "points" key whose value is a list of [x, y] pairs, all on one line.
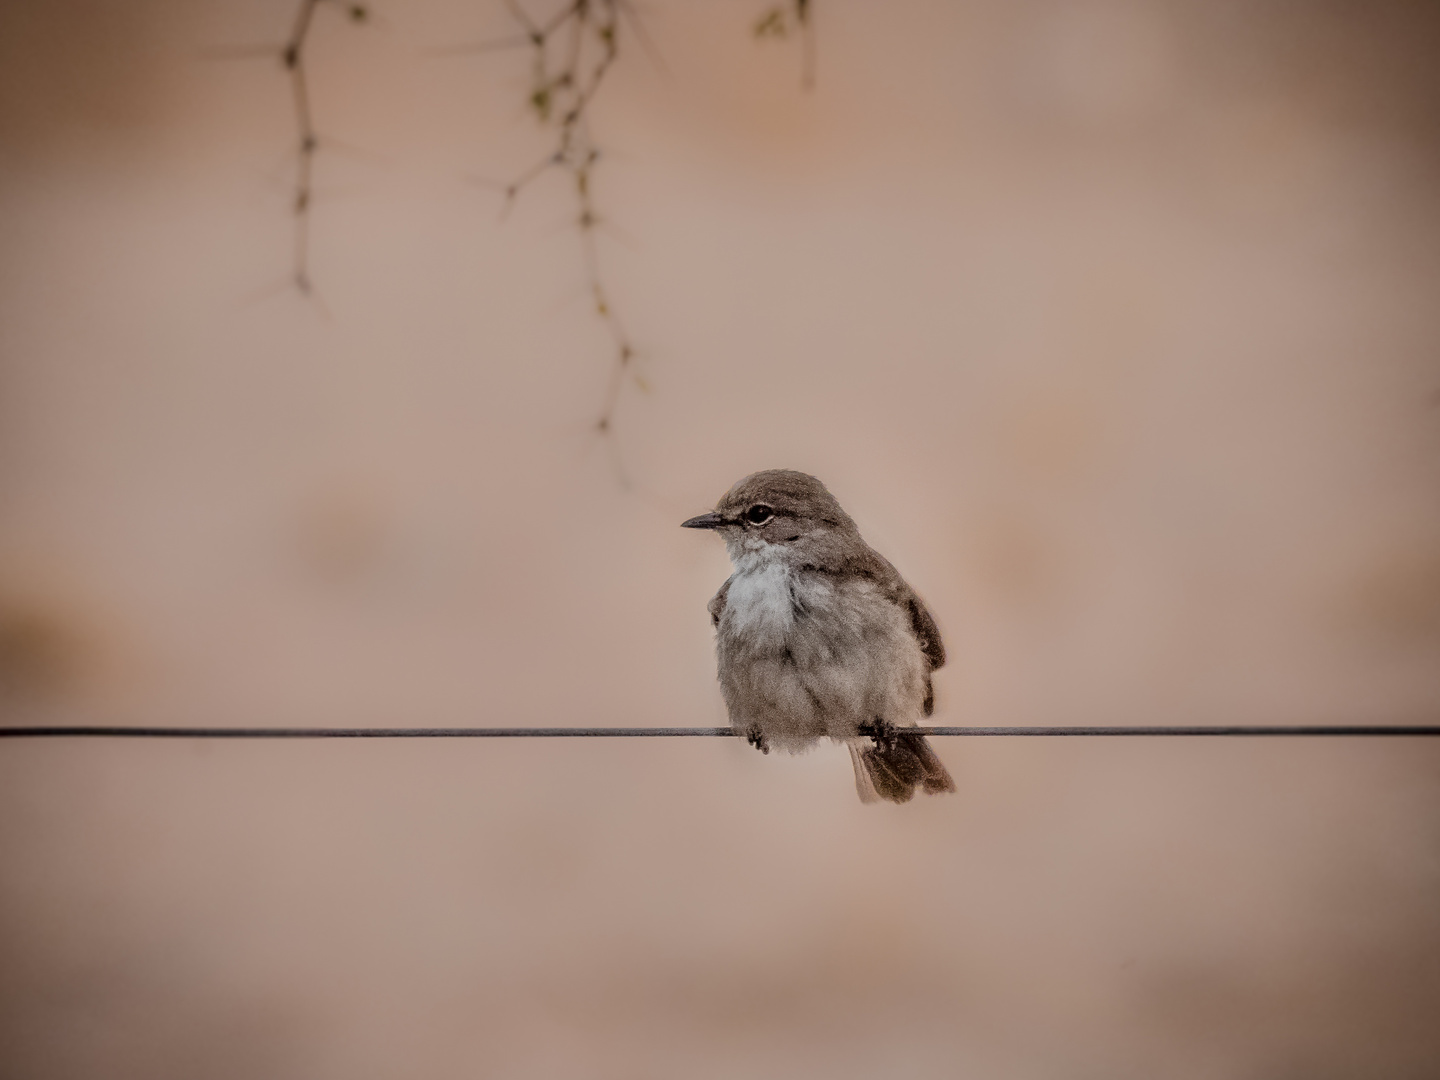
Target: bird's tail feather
{"points": [[894, 771]]}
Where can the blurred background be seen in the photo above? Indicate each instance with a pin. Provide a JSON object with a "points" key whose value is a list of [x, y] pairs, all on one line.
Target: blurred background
{"points": [[1115, 326]]}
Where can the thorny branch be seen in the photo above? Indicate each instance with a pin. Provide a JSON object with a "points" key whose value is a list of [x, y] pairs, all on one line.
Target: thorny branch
{"points": [[292, 55], [572, 52], [586, 36]]}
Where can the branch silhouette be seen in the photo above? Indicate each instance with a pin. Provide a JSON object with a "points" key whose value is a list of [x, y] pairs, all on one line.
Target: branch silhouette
{"points": [[778, 22], [292, 55], [571, 54]]}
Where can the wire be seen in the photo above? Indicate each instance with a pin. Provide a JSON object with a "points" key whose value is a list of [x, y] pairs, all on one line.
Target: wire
{"points": [[102, 731]]}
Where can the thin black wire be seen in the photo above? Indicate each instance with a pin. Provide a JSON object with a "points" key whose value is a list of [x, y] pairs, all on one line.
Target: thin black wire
{"points": [[104, 731]]}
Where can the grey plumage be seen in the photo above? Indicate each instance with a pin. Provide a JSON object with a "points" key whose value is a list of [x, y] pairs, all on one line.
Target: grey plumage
{"points": [[818, 636]]}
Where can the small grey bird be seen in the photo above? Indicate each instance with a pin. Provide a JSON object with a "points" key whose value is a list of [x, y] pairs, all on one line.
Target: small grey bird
{"points": [[818, 636]]}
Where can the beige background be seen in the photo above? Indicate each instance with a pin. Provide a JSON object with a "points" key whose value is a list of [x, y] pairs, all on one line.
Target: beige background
{"points": [[1114, 325]]}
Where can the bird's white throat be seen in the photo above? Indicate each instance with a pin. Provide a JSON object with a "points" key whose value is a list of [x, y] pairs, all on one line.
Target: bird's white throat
{"points": [[761, 600]]}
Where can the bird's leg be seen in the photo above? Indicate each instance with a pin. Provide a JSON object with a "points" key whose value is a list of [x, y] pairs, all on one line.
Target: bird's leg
{"points": [[881, 730], [756, 738]]}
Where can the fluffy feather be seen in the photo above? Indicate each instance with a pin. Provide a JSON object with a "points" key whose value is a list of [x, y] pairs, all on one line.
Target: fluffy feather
{"points": [[818, 635]]}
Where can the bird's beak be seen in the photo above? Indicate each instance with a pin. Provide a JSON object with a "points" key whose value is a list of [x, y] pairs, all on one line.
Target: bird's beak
{"points": [[704, 521]]}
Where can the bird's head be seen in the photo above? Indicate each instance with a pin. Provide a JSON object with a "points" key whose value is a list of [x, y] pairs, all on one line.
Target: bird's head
{"points": [[777, 511]]}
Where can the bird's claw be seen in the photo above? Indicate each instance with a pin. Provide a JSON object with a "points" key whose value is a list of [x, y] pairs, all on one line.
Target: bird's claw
{"points": [[756, 738], [881, 730]]}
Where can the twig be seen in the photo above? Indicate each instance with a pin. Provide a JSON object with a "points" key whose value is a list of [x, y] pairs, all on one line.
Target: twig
{"points": [[777, 22], [586, 36], [292, 55]]}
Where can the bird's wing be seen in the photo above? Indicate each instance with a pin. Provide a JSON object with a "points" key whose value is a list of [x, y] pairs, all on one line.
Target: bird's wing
{"points": [[716, 607], [870, 563], [925, 630], [864, 561], [927, 634]]}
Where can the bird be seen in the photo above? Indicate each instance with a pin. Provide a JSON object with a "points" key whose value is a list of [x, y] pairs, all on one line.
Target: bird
{"points": [[818, 636]]}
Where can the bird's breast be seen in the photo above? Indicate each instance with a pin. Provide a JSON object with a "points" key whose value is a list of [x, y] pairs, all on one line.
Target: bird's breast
{"points": [[763, 603], [803, 653]]}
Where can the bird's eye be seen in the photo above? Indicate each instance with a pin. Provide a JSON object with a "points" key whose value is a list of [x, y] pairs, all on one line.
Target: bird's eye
{"points": [[759, 514]]}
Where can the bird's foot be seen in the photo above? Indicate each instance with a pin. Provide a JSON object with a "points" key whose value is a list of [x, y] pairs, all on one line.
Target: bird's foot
{"points": [[756, 738], [881, 730]]}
